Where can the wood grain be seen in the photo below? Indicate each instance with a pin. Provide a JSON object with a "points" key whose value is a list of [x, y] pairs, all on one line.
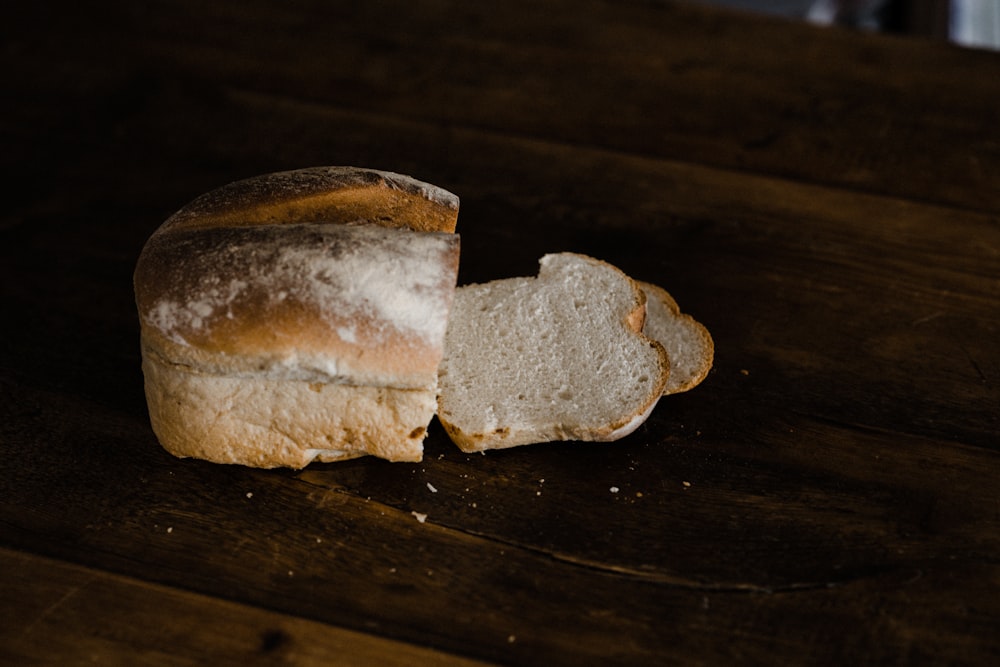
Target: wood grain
{"points": [[825, 202], [668, 80], [73, 615]]}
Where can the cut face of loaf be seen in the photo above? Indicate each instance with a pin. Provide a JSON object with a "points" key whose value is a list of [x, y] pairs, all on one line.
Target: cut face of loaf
{"points": [[298, 316], [557, 357]]}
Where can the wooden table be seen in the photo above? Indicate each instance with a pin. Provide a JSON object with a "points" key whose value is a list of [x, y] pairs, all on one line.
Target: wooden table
{"points": [[826, 202]]}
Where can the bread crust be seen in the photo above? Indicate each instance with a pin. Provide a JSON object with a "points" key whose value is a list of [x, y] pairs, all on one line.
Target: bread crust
{"points": [[327, 289], [334, 195], [267, 423], [354, 304]]}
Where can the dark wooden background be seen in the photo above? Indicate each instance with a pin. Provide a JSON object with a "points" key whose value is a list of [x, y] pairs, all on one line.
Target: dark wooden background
{"points": [[826, 202]]}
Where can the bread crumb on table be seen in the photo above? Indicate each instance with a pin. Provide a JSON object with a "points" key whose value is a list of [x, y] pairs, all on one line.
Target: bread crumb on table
{"points": [[420, 516]]}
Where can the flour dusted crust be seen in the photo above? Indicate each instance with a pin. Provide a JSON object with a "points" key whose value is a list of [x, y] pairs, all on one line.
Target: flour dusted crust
{"points": [[298, 316], [356, 304]]}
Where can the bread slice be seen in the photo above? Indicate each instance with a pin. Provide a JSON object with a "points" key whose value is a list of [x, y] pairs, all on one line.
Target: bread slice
{"points": [[688, 343], [557, 357]]}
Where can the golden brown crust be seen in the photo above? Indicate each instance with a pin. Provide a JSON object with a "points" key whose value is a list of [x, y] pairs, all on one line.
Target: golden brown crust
{"points": [[359, 304], [338, 195]]}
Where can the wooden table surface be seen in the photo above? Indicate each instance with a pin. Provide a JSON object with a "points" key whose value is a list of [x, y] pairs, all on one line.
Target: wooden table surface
{"points": [[826, 202]]}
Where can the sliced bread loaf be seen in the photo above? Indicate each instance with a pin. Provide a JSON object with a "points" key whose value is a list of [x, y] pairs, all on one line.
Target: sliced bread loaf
{"points": [[557, 357], [298, 316]]}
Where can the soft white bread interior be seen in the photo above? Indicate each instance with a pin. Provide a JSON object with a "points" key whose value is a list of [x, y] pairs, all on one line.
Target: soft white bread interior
{"points": [[560, 356], [688, 343], [298, 316]]}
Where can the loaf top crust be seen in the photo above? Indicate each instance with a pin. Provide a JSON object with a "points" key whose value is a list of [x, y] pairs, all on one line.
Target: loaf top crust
{"points": [[338, 195], [321, 274]]}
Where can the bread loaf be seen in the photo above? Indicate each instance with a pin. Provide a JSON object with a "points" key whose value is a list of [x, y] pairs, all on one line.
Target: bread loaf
{"points": [[298, 316], [312, 315], [557, 357]]}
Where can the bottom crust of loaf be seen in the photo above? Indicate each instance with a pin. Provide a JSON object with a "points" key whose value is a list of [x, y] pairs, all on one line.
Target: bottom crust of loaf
{"points": [[268, 423], [504, 438]]}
